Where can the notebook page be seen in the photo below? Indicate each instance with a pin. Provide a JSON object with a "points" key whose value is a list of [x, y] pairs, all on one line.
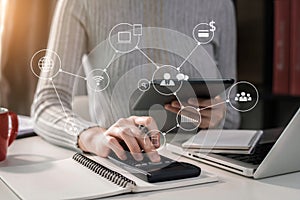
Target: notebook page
{"points": [[25, 124], [143, 186], [64, 179], [204, 178]]}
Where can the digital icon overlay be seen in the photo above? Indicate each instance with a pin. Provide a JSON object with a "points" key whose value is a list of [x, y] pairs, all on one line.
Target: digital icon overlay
{"points": [[165, 75], [166, 79], [143, 85], [188, 118], [157, 138], [71, 126], [98, 80], [204, 32], [45, 64], [243, 96], [125, 37]]}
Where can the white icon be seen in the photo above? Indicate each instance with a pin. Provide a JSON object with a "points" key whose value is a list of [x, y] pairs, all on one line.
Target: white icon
{"points": [[187, 123], [98, 79], [143, 85], [124, 37], [185, 119], [243, 97], [248, 96], [41, 63], [181, 77], [157, 138], [73, 129], [167, 81], [213, 27], [154, 139], [45, 64], [137, 29], [203, 33]]}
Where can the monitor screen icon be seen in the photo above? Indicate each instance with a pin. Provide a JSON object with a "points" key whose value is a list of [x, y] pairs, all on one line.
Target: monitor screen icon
{"points": [[124, 37]]}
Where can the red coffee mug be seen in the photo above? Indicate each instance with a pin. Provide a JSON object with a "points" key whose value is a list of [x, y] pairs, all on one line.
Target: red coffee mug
{"points": [[6, 136]]}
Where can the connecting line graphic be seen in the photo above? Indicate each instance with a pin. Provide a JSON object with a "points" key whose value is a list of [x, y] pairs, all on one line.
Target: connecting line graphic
{"points": [[171, 129], [69, 73], [223, 102], [188, 56], [181, 105], [112, 59], [59, 99], [147, 57]]}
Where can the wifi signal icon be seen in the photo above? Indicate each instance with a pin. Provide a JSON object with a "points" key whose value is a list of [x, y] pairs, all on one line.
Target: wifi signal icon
{"points": [[98, 79]]}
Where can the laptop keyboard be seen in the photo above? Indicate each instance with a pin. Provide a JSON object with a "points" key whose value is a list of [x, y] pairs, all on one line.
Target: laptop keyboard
{"points": [[256, 158]]}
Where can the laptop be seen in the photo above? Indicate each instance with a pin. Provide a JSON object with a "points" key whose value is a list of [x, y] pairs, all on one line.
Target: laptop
{"points": [[278, 152]]}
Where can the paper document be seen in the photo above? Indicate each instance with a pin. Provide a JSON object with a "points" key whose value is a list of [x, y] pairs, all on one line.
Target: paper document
{"points": [[25, 125], [224, 139]]}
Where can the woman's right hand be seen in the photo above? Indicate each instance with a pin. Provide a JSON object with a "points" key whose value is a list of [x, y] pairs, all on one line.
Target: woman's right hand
{"points": [[101, 141]]}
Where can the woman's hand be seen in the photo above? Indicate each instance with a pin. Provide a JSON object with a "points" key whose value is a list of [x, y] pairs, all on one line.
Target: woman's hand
{"points": [[101, 141], [211, 116]]}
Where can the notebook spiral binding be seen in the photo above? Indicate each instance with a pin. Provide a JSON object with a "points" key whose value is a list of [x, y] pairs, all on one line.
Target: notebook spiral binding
{"points": [[103, 171]]}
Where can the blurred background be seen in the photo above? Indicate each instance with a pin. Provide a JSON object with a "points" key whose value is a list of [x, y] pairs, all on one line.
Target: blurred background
{"points": [[25, 26], [268, 55]]}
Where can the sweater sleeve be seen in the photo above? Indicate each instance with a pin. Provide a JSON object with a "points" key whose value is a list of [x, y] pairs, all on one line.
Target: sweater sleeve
{"points": [[51, 108], [226, 55]]}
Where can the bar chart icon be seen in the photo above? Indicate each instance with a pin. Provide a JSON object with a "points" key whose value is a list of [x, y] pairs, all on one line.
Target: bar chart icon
{"points": [[188, 118], [185, 119]]}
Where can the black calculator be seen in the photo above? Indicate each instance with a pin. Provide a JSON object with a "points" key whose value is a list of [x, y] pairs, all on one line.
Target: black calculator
{"points": [[152, 172]]}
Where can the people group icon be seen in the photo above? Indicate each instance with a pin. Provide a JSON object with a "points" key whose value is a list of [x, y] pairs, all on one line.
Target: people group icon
{"points": [[167, 81], [243, 97]]}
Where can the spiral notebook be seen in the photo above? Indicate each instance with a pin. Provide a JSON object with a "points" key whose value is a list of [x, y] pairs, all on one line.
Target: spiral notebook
{"points": [[82, 177]]}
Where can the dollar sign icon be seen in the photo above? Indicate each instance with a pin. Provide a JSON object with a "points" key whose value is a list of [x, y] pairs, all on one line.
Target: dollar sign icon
{"points": [[213, 27]]}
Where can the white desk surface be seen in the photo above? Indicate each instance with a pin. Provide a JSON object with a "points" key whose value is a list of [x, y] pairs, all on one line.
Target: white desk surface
{"points": [[231, 186]]}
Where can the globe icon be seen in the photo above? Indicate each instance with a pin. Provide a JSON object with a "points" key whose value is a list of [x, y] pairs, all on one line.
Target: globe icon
{"points": [[45, 64]]}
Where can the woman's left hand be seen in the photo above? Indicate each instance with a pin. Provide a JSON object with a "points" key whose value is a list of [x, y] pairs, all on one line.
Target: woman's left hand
{"points": [[212, 110]]}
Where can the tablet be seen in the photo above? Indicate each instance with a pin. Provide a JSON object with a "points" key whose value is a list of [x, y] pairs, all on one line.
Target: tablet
{"points": [[159, 93]]}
